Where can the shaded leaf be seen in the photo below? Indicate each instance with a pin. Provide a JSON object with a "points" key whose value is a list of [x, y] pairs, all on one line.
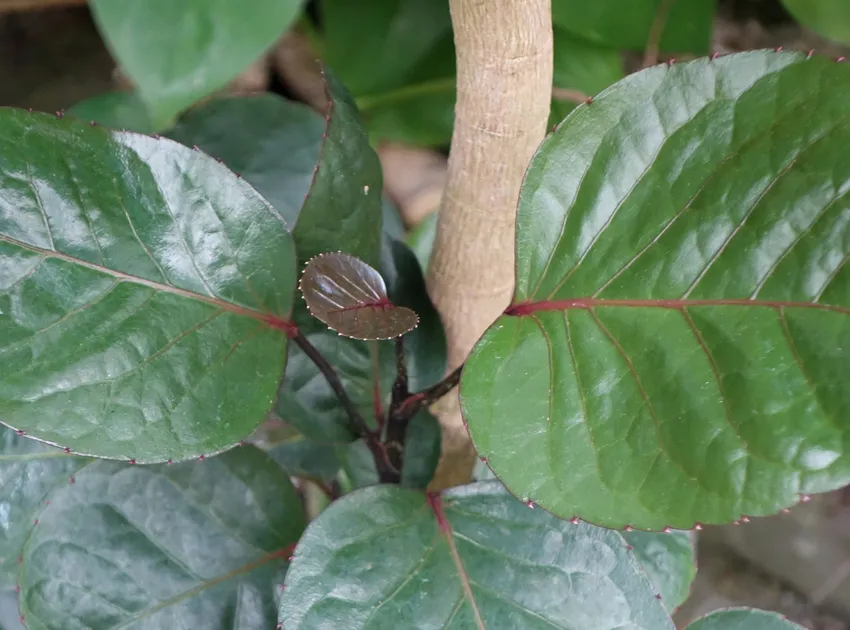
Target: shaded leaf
{"points": [[350, 297], [425, 345], [144, 293], [618, 24], [179, 52], [301, 457], [583, 66], [343, 209], [422, 444], [421, 239], [358, 464], [421, 455], [28, 471], [192, 545], [273, 143], [743, 619], [474, 557], [670, 561], [681, 323], [397, 58], [392, 221], [119, 110], [309, 404], [829, 18]]}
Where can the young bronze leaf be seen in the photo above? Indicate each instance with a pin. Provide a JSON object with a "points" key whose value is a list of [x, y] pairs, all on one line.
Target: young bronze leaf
{"points": [[351, 298], [678, 347]]}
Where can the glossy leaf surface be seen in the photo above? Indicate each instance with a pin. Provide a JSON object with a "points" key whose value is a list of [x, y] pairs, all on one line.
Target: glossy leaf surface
{"points": [[28, 471], [743, 619], [178, 52], [829, 18], [351, 298], [473, 558], [343, 209], [670, 561], [687, 27], [119, 110], [307, 402], [144, 293], [274, 144], [193, 545], [680, 337]]}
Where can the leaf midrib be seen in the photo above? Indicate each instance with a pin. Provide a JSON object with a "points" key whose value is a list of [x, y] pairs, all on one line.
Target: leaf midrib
{"points": [[238, 571], [435, 501], [589, 303], [274, 321]]}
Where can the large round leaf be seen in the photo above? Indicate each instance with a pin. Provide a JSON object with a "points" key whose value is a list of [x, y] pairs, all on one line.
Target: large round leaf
{"points": [[28, 471], [273, 143], [178, 52], [193, 545], [144, 293], [119, 110], [669, 560], [386, 557], [686, 24], [679, 343], [830, 18], [743, 619], [321, 175]]}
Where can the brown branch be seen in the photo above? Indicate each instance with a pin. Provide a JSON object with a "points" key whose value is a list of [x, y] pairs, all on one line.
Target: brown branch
{"points": [[36, 5], [653, 41], [358, 425], [504, 85], [567, 94]]}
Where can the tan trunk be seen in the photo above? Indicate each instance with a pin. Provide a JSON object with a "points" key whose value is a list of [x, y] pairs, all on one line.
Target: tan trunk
{"points": [[504, 85]]}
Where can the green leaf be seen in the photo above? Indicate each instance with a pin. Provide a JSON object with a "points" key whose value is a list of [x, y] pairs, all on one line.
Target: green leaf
{"points": [[176, 53], [307, 401], [192, 545], [670, 561], [743, 619], [397, 58], [119, 110], [144, 293], [301, 457], [421, 456], [422, 444], [687, 28], [28, 471], [681, 324], [583, 66], [829, 18], [388, 557], [321, 175], [421, 239], [343, 209], [273, 143], [358, 465]]}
